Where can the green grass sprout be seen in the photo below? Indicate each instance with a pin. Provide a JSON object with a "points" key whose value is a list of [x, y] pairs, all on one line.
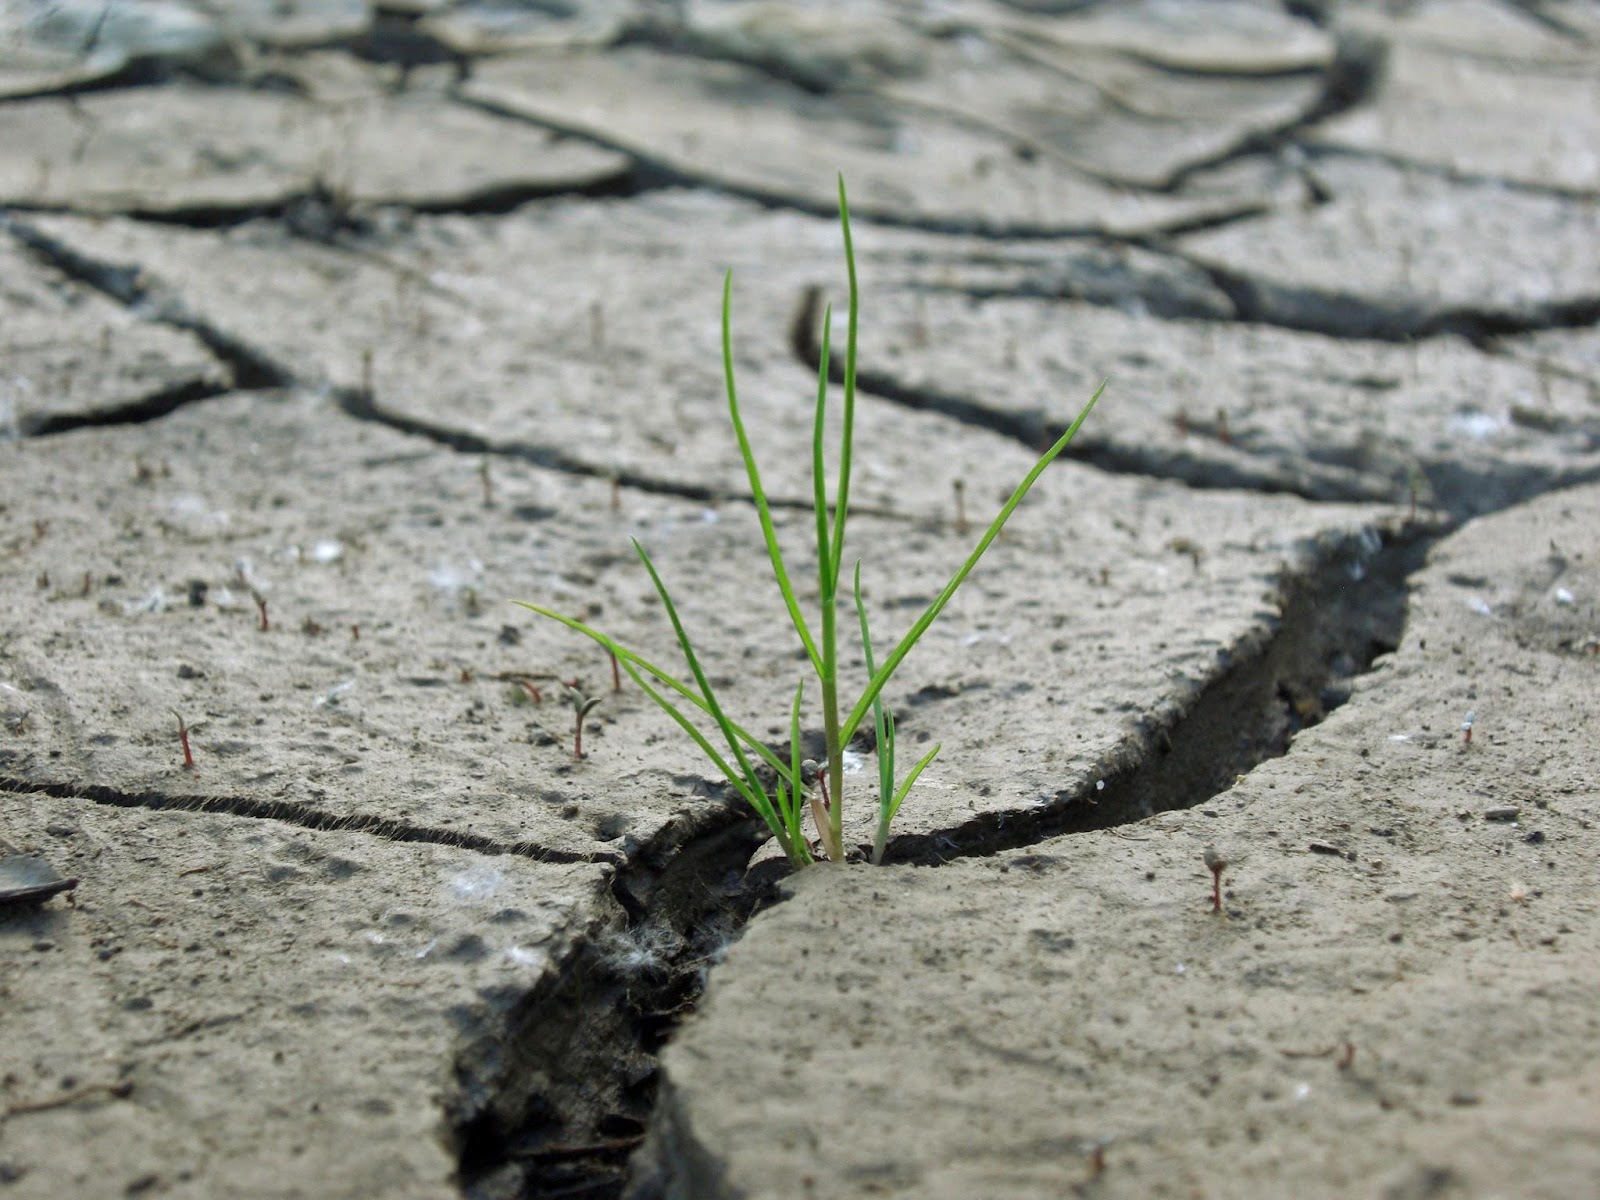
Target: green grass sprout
{"points": [[889, 797], [748, 764]]}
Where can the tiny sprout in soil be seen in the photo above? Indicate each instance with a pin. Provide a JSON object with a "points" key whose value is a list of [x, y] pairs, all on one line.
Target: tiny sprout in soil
{"points": [[747, 763], [183, 740], [1216, 864], [583, 704]]}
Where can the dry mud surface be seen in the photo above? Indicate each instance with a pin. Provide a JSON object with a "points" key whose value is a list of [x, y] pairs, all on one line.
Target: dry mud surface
{"points": [[329, 328]]}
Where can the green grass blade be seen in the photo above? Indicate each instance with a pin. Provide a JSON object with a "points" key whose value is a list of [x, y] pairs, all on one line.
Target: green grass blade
{"points": [[797, 814], [749, 787], [910, 779], [763, 512], [881, 676], [842, 503], [695, 669], [756, 796], [624, 655], [885, 733], [883, 720], [819, 467], [880, 840]]}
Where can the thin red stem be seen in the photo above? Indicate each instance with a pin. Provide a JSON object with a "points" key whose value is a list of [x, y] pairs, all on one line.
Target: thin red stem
{"points": [[183, 739]]}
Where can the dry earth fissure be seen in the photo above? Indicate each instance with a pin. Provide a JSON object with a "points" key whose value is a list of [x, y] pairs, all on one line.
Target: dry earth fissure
{"points": [[1277, 181]]}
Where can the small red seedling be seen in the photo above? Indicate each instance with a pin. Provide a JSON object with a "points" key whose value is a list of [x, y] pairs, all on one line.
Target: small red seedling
{"points": [[1097, 1160], [1217, 865], [1466, 727], [261, 608], [183, 740], [616, 673], [583, 705], [526, 683], [959, 486]]}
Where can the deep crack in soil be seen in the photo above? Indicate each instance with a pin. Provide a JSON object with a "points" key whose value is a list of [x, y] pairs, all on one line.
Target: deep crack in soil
{"points": [[556, 1086], [255, 369], [556, 1098], [304, 816]]}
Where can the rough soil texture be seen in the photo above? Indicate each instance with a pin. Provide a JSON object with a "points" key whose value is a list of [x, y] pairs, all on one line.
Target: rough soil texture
{"points": [[328, 329]]}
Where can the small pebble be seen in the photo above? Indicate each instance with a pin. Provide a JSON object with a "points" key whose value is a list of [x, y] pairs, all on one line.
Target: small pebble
{"points": [[1502, 812]]}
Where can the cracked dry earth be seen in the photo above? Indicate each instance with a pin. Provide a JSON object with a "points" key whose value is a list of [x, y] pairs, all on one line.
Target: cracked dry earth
{"points": [[329, 327]]}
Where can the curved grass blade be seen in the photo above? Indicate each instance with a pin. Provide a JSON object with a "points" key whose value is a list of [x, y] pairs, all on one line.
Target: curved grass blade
{"points": [[695, 669], [881, 676], [624, 655], [842, 501], [819, 469], [774, 552], [883, 719], [749, 787], [795, 815], [882, 838]]}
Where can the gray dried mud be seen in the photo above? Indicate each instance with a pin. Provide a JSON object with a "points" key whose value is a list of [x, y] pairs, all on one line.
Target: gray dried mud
{"points": [[329, 329]]}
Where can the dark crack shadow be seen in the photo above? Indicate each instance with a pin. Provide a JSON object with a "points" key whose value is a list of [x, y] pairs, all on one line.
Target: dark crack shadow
{"points": [[147, 408], [290, 813], [1353, 317], [1315, 151], [1350, 80], [555, 1087], [1341, 607], [1227, 468], [254, 369], [325, 214], [653, 173]]}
